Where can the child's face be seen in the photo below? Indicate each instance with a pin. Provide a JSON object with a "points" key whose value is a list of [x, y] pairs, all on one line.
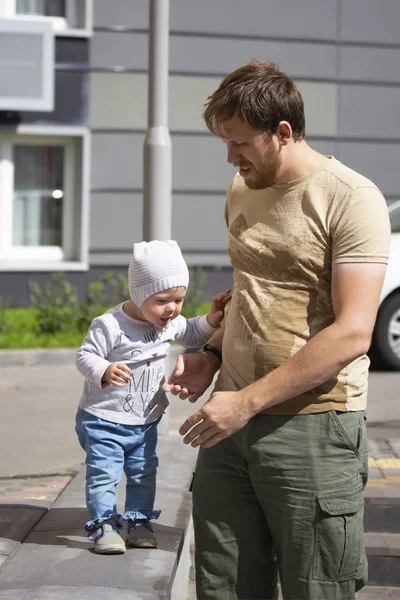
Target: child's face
{"points": [[161, 308]]}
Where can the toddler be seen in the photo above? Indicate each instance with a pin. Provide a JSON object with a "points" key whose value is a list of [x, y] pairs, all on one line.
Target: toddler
{"points": [[122, 359]]}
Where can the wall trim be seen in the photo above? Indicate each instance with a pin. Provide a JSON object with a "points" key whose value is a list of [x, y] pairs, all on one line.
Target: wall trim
{"points": [[250, 37]]}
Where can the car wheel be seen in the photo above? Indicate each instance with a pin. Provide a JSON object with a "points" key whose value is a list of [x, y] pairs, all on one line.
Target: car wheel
{"points": [[386, 338]]}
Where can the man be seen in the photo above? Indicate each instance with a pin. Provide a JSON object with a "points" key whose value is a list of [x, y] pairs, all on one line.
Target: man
{"points": [[283, 451]]}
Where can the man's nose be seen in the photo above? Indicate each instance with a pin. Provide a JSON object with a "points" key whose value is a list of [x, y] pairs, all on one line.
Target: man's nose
{"points": [[231, 154]]}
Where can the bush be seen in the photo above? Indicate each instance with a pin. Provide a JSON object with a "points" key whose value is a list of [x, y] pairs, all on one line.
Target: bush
{"points": [[57, 318], [3, 316], [57, 305], [59, 309], [102, 294], [194, 300]]}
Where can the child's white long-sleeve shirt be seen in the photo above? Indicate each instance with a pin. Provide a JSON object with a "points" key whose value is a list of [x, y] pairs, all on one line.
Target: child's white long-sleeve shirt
{"points": [[116, 337]]}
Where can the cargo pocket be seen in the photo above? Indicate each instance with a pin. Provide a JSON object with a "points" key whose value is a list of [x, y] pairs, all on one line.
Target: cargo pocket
{"points": [[339, 537]]}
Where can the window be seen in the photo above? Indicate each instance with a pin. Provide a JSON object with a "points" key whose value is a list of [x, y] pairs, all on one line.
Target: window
{"points": [[69, 17], [47, 8], [38, 196], [41, 200]]}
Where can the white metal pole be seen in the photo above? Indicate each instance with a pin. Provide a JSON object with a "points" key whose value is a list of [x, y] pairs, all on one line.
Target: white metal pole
{"points": [[157, 151]]}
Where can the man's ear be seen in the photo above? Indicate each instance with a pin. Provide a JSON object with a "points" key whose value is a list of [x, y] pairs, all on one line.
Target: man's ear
{"points": [[284, 133]]}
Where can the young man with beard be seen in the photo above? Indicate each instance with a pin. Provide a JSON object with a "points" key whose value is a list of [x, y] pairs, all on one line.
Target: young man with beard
{"points": [[283, 450]]}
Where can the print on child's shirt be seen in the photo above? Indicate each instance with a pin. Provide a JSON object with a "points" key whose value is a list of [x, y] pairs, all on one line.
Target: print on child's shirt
{"points": [[144, 389]]}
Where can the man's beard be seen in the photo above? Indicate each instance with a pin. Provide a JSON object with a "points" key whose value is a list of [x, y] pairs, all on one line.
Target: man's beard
{"points": [[268, 176]]}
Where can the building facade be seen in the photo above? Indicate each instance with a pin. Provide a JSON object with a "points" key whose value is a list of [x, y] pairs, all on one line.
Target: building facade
{"points": [[71, 171]]}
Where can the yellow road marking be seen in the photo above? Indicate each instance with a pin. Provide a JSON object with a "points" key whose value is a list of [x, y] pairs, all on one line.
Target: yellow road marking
{"points": [[384, 463], [384, 481], [377, 483]]}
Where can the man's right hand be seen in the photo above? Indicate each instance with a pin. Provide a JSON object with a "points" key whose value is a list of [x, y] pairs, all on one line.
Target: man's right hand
{"points": [[192, 375]]}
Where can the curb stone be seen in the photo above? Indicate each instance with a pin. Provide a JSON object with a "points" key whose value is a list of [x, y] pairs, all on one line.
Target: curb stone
{"points": [[37, 357]]}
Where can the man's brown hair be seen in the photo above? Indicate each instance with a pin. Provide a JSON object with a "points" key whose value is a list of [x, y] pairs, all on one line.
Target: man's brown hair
{"points": [[261, 96]]}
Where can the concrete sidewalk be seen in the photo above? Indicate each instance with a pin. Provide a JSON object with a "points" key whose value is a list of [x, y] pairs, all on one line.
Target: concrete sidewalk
{"points": [[44, 552]]}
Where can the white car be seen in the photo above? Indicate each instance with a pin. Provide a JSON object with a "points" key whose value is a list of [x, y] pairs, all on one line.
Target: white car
{"points": [[385, 347]]}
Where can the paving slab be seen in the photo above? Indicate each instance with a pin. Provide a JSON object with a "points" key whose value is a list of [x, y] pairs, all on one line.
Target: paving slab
{"points": [[382, 514], [73, 593], [56, 553], [16, 522], [370, 592], [378, 593]]}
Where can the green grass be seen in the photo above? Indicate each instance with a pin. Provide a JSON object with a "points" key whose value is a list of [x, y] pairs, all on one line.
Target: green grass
{"points": [[44, 340], [19, 329]]}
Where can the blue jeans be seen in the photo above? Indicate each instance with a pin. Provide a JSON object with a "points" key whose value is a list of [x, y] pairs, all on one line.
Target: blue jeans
{"points": [[111, 448]]}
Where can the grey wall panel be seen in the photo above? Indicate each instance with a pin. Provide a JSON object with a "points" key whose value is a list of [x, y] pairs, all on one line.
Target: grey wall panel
{"points": [[71, 50], [112, 48], [70, 101], [320, 103], [373, 64], [220, 56], [115, 221], [190, 54], [369, 111], [126, 13], [370, 21], [328, 147], [110, 258], [378, 162], [15, 288], [117, 161], [217, 281], [119, 100], [199, 162], [187, 96], [278, 18], [198, 222], [17, 284]]}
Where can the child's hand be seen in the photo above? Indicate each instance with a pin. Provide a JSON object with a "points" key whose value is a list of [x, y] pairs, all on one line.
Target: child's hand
{"points": [[117, 374], [217, 310]]}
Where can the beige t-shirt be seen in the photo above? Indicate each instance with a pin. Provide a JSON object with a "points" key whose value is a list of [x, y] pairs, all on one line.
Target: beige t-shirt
{"points": [[282, 243]]}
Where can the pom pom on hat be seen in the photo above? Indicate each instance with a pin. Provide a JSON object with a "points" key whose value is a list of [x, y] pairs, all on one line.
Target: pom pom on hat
{"points": [[156, 266]]}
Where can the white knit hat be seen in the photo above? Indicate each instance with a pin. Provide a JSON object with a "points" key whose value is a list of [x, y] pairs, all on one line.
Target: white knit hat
{"points": [[155, 266]]}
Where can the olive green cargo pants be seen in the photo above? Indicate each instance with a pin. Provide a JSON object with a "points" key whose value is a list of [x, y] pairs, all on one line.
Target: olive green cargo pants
{"points": [[283, 495]]}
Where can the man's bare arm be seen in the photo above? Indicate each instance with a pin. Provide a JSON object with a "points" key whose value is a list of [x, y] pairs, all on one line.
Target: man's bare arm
{"points": [[356, 290]]}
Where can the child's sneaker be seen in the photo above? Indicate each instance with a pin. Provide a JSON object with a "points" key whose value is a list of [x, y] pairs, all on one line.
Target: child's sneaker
{"points": [[141, 535], [107, 540]]}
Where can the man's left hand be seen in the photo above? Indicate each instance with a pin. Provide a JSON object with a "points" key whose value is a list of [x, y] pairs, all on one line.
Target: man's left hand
{"points": [[223, 414]]}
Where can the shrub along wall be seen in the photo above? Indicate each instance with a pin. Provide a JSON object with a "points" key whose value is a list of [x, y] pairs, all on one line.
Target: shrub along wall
{"points": [[57, 318]]}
